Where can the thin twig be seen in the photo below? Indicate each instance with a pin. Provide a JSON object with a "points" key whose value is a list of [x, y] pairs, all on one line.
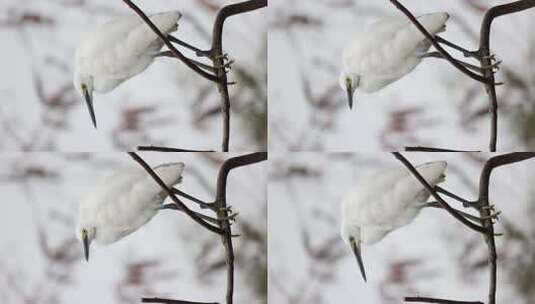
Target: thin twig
{"points": [[169, 301], [203, 216], [436, 300], [201, 203], [466, 215], [435, 195], [485, 211], [170, 193], [465, 202], [431, 149], [168, 149]]}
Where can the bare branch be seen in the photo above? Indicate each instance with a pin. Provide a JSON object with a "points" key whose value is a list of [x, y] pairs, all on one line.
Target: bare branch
{"points": [[170, 193], [219, 207], [483, 53], [484, 209], [436, 300], [175, 52], [437, 46], [484, 50], [169, 301], [218, 58], [201, 203], [486, 217], [465, 202], [223, 213], [430, 149], [168, 149], [435, 195], [215, 53]]}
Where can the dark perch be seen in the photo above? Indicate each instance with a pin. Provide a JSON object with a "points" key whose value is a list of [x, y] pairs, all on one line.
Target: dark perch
{"points": [[483, 53], [219, 206], [215, 54], [486, 216]]}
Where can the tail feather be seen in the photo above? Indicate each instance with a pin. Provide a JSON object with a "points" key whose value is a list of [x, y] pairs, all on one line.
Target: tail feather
{"points": [[166, 22], [170, 173], [433, 172], [434, 23], [410, 37], [143, 37]]}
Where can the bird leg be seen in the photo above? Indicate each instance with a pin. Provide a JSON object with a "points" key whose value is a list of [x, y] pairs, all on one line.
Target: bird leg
{"points": [[466, 203], [494, 67], [202, 216], [198, 52], [202, 204], [466, 215], [197, 63], [201, 53], [474, 54]]}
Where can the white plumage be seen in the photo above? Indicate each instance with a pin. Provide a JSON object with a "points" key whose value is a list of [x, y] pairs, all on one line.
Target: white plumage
{"points": [[123, 202], [117, 51], [386, 51], [385, 201]]}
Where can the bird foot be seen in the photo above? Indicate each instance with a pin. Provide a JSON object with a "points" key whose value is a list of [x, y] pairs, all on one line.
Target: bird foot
{"points": [[492, 216], [231, 218], [227, 209], [227, 62], [493, 213], [495, 67], [488, 208], [491, 57], [224, 57], [228, 65]]}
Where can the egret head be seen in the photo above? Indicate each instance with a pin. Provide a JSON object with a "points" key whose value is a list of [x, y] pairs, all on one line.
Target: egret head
{"points": [[351, 236], [84, 86], [86, 235], [349, 82]]}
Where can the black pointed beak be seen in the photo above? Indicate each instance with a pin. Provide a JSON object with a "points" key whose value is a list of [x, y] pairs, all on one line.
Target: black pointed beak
{"points": [[89, 103], [356, 251], [350, 96], [86, 247]]}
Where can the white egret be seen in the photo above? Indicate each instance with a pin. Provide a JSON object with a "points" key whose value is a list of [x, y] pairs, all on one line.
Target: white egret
{"points": [[123, 202], [383, 202], [386, 51], [117, 51]]}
